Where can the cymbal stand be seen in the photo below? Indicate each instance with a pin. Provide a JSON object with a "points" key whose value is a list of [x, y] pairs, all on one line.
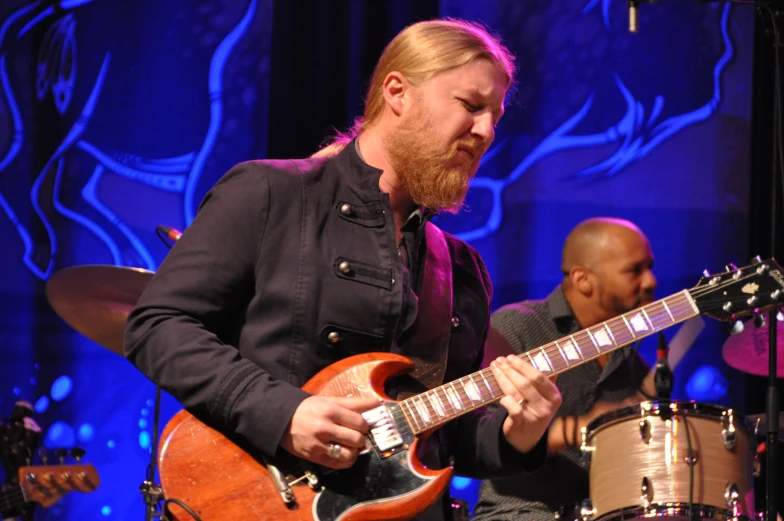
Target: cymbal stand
{"points": [[772, 398], [152, 492]]}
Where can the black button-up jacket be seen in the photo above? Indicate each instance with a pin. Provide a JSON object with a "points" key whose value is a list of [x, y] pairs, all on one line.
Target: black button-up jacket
{"points": [[288, 267]]}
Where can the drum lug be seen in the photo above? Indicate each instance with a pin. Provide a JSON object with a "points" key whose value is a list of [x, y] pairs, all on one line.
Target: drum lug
{"points": [[692, 459], [646, 492], [728, 435], [645, 431], [586, 510], [585, 449], [731, 495]]}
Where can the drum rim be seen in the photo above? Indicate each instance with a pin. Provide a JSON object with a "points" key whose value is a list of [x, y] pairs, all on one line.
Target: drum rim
{"points": [[671, 509], [685, 408]]}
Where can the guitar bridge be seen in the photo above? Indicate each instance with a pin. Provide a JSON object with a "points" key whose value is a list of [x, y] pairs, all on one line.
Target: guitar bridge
{"points": [[383, 432]]}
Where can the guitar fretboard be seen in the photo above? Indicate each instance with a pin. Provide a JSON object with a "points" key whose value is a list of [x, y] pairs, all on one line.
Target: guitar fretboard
{"points": [[442, 404]]}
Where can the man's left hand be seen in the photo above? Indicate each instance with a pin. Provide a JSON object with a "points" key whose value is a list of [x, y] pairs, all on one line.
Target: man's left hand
{"points": [[528, 420]]}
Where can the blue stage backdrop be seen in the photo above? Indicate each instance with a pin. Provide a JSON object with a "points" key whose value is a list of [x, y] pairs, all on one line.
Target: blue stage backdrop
{"points": [[116, 117]]}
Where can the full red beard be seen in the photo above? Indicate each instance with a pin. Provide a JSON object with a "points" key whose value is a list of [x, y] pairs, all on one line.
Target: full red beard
{"points": [[436, 179]]}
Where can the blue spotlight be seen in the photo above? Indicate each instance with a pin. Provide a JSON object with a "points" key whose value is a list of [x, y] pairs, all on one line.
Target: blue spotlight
{"points": [[86, 432], [706, 384], [461, 483], [42, 404], [144, 440], [61, 388], [60, 435]]}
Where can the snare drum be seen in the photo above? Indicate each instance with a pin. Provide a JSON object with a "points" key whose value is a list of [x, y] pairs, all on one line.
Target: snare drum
{"points": [[641, 464]]}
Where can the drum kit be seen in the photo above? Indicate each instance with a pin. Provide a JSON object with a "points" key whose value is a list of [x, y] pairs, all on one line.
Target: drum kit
{"points": [[677, 459]]}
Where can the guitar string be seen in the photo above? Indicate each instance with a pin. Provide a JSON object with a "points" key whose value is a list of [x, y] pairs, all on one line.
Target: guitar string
{"points": [[616, 325]]}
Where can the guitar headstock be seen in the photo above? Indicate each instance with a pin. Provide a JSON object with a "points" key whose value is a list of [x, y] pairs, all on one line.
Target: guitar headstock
{"points": [[47, 484], [740, 291]]}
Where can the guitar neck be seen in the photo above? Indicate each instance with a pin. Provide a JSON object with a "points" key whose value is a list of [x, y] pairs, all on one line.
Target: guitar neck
{"points": [[444, 403]]}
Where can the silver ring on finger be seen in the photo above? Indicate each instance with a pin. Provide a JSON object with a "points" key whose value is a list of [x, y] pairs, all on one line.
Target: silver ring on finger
{"points": [[520, 402], [334, 450]]}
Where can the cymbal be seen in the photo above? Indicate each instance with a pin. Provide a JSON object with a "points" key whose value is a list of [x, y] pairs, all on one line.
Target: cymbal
{"points": [[753, 418], [96, 300], [747, 351]]}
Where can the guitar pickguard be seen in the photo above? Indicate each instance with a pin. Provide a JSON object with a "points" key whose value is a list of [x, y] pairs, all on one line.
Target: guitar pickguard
{"points": [[371, 480]]}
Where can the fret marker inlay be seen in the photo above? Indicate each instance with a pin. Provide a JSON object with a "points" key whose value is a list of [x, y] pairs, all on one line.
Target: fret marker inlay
{"points": [[602, 338], [472, 391], [568, 348], [638, 322], [436, 403], [540, 362]]}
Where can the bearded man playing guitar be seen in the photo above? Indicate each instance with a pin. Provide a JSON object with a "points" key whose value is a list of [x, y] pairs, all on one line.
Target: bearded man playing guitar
{"points": [[263, 317]]}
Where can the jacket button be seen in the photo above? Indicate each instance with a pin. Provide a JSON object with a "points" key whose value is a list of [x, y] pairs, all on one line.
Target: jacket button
{"points": [[455, 322], [333, 337], [346, 209], [345, 267]]}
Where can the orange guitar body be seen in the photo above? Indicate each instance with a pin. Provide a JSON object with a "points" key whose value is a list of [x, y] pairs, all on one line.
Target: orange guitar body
{"points": [[222, 482]]}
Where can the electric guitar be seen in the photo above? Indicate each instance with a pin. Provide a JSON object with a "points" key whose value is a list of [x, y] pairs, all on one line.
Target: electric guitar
{"points": [[221, 480], [45, 485]]}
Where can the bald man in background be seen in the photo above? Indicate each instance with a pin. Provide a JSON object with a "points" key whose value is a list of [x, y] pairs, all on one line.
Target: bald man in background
{"points": [[606, 265]]}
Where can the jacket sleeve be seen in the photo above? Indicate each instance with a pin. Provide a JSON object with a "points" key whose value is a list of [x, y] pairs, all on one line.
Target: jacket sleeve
{"points": [[480, 448], [177, 336]]}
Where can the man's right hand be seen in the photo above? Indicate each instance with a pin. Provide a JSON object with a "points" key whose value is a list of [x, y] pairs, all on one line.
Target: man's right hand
{"points": [[320, 421]]}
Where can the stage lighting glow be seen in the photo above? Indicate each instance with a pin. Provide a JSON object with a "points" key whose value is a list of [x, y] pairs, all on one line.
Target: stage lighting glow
{"points": [[706, 384], [86, 432], [461, 483], [144, 440], [60, 435], [42, 404], [61, 388]]}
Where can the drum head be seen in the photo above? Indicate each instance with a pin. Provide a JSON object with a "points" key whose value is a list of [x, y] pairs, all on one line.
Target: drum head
{"points": [[673, 407]]}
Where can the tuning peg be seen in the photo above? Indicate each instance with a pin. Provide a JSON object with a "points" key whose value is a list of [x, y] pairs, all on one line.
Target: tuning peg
{"points": [[759, 320], [706, 273], [756, 259], [737, 327], [43, 455], [730, 267], [77, 454], [61, 454]]}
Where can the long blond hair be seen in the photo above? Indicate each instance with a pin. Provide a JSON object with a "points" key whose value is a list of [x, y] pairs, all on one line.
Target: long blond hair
{"points": [[419, 52]]}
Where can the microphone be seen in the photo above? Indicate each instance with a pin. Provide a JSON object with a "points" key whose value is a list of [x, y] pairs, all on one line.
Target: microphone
{"points": [[170, 233], [663, 377]]}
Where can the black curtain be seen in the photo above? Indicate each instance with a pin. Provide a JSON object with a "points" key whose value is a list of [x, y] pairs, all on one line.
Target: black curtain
{"points": [[766, 233], [323, 54]]}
